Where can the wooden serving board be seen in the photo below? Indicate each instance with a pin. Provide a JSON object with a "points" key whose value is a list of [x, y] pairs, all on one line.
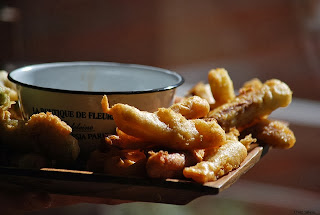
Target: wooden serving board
{"points": [[83, 183]]}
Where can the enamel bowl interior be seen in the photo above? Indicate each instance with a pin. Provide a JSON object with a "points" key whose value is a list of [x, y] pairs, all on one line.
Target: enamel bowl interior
{"points": [[96, 77]]}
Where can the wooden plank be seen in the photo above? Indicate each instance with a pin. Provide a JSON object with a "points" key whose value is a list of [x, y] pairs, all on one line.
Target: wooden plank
{"points": [[85, 183]]}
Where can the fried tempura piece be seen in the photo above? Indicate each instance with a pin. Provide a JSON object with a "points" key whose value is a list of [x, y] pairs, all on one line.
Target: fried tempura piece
{"points": [[163, 164], [192, 108], [253, 105], [54, 136], [221, 86], [223, 160], [8, 86], [47, 122], [118, 162], [253, 84], [248, 141], [5, 101], [171, 129], [234, 134], [127, 163], [203, 91], [44, 134], [274, 133], [125, 141]]}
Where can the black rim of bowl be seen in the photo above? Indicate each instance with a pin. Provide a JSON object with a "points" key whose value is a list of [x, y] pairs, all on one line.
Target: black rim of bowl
{"points": [[173, 86]]}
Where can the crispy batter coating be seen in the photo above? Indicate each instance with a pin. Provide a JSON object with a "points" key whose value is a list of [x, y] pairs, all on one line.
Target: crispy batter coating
{"points": [[163, 164], [44, 134], [53, 136], [233, 134], [248, 141], [221, 86], [192, 108], [9, 87], [125, 141], [253, 105], [203, 91], [228, 157], [118, 162], [171, 129], [127, 163], [274, 133], [49, 123], [183, 144], [253, 84], [5, 101]]}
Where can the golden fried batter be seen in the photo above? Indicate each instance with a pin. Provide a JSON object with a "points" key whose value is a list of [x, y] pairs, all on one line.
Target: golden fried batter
{"points": [[228, 157], [248, 141], [253, 105], [163, 164], [44, 134], [48, 123], [8, 86], [125, 141], [203, 91], [274, 133], [114, 161], [192, 108], [221, 86], [127, 163], [234, 134], [253, 84], [166, 127], [53, 137]]}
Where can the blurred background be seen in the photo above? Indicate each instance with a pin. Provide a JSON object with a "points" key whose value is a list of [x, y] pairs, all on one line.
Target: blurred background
{"points": [[263, 39]]}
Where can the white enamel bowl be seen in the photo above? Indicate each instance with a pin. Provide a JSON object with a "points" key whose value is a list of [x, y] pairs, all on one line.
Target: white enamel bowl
{"points": [[73, 91]]}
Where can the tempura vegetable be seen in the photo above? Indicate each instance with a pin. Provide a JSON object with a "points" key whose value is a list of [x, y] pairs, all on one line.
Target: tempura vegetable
{"points": [[225, 159], [171, 129], [273, 132], [8, 86], [253, 105], [192, 108], [164, 164], [203, 91], [221, 86]]}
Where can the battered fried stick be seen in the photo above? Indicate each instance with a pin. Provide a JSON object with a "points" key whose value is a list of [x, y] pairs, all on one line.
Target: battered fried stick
{"points": [[166, 127], [252, 105], [272, 132], [164, 164], [221, 86], [223, 160]]}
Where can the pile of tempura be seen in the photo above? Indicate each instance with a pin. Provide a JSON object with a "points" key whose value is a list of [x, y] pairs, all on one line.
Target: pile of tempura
{"points": [[204, 136], [41, 141]]}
